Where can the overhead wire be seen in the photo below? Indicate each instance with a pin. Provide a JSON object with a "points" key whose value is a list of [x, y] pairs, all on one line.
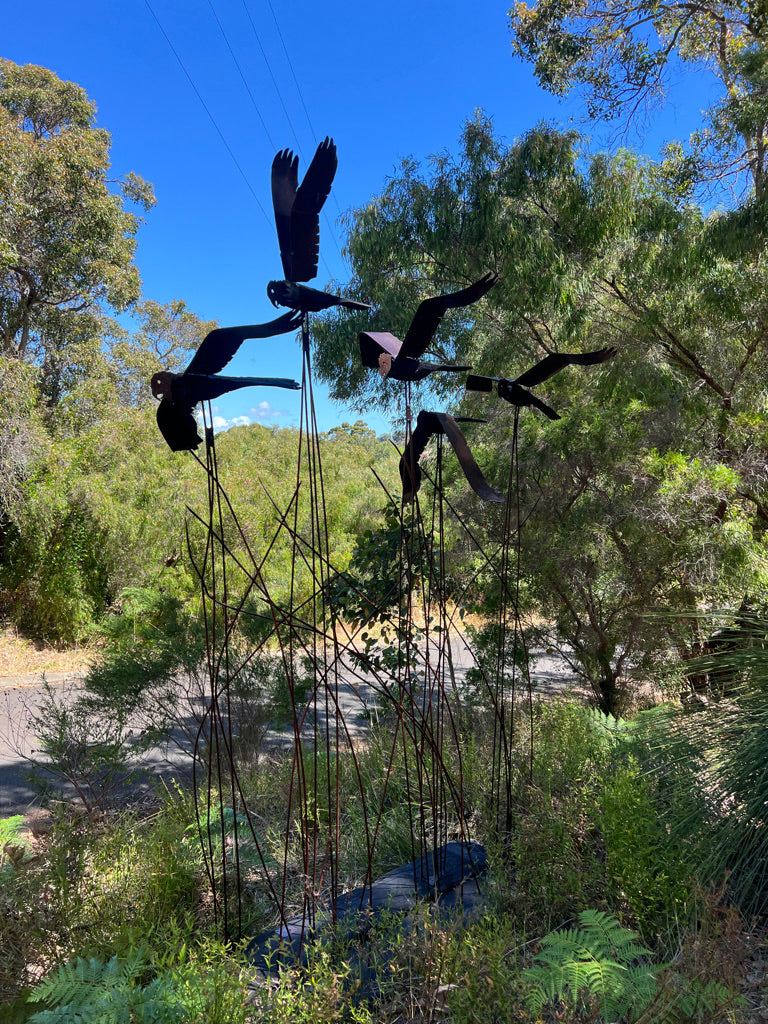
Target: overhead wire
{"points": [[280, 99], [254, 104], [274, 80], [300, 92], [293, 72], [240, 72], [208, 112]]}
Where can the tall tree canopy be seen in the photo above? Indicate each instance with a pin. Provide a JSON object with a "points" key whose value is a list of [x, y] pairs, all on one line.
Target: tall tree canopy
{"points": [[651, 491], [618, 54], [67, 240]]}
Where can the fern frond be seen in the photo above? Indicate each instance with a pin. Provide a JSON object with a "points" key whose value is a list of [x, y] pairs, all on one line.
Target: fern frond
{"points": [[598, 959], [106, 993], [604, 932], [73, 983]]}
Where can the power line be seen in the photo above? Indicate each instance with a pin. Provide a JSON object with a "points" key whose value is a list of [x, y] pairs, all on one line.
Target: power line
{"points": [[208, 112], [290, 65], [274, 80], [240, 72], [213, 121], [327, 220]]}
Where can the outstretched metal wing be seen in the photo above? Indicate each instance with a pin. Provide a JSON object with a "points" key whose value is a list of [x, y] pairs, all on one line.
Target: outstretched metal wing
{"points": [[555, 362], [297, 208], [285, 182], [305, 217], [431, 311], [427, 425], [220, 345]]}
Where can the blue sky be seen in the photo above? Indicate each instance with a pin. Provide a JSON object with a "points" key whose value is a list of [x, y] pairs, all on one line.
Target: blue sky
{"points": [[385, 80]]}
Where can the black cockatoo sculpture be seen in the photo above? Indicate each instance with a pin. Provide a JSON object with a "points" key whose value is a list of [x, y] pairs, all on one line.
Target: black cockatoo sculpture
{"points": [[297, 217], [401, 360], [179, 393], [427, 425], [515, 391]]}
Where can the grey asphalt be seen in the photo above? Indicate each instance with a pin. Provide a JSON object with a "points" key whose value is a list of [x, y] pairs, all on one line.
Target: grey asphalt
{"points": [[20, 695]]}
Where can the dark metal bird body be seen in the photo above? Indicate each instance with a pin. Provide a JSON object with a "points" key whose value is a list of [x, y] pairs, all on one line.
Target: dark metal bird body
{"points": [[297, 219], [175, 414], [427, 425], [401, 360], [515, 391], [307, 300], [181, 392]]}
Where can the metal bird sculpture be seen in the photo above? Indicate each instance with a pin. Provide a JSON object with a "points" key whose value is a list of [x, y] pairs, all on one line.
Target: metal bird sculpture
{"points": [[297, 218], [401, 360], [180, 392], [515, 391], [307, 300], [427, 425]]}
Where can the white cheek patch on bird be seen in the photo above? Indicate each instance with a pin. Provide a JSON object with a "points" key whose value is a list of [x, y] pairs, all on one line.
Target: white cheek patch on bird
{"points": [[405, 362]]}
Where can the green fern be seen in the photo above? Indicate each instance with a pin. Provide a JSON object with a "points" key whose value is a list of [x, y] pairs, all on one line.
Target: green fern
{"points": [[690, 999], [600, 960], [93, 992]]}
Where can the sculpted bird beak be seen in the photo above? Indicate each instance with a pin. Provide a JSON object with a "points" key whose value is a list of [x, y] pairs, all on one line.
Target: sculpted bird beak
{"points": [[272, 294]]}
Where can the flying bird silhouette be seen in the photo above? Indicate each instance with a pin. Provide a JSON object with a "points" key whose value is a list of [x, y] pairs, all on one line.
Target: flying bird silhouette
{"points": [[180, 392], [515, 391], [297, 218], [401, 360], [427, 425], [307, 300]]}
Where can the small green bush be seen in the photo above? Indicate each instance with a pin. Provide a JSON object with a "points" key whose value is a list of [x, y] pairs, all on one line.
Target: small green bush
{"points": [[94, 992], [486, 984], [556, 847], [200, 985], [646, 868], [10, 833]]}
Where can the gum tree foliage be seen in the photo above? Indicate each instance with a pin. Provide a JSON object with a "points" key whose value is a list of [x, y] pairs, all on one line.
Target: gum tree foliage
{"points": [[618, 55], [71, 534], [104, 510], [166, 338], [651, 492], [91, 499], [67, 240]]}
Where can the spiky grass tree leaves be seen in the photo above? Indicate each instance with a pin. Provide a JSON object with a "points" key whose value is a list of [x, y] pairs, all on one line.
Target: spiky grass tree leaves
{"points": [[600, 960], [708, 769]]}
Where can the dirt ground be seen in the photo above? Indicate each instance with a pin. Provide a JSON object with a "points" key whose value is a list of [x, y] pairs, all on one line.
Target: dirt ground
{"points": [[20, 656]]}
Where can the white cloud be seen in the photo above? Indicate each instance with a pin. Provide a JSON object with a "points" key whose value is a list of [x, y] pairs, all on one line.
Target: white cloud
{"points": [[220, 423], [264, 412]]}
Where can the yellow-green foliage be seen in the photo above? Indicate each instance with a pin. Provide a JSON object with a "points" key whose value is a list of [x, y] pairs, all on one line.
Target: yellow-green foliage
{"points": [[105, 509], [646, 868]]}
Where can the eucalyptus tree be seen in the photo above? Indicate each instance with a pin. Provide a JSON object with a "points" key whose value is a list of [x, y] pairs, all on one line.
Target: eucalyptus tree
{"points": [[620, 56], [651, 491], [67, 237]]}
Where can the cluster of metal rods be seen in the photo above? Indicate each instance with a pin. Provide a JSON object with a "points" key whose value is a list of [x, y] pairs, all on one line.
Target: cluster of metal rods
{"points": [[422, 690]]}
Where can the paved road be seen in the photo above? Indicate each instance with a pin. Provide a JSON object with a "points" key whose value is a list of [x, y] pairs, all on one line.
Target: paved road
{"points": [[18, 694], [21, 695]]}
